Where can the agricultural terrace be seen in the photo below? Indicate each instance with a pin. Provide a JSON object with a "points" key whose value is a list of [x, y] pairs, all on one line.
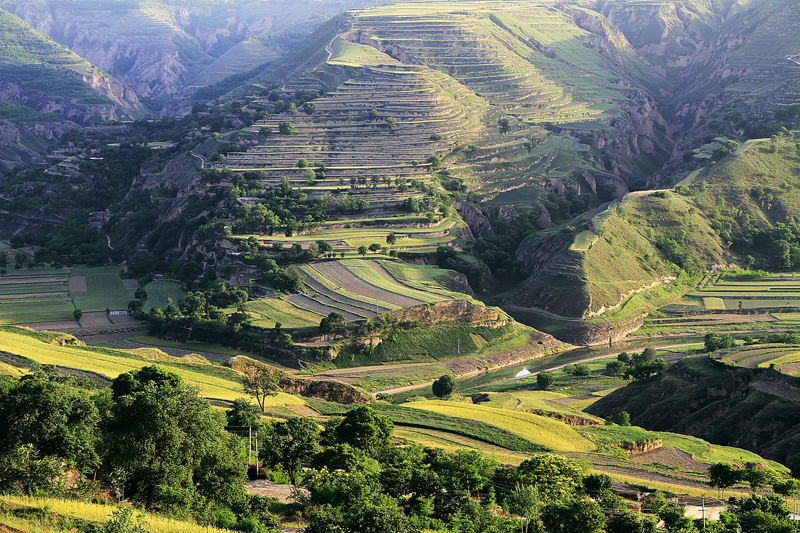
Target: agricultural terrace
{"points": [[40, 295], [485, 47], [356, 288], [783, 357], [22, 347], [721, 304]]}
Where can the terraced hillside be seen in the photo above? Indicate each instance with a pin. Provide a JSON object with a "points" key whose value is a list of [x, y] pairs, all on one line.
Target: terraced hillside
{"points": [[537, 66], [357, 289], [376, 138]]}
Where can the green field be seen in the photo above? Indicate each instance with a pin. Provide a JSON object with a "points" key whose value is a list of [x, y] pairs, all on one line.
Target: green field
{"points": [[538, 429], [34, 311], [214, 382], [105, 290]]}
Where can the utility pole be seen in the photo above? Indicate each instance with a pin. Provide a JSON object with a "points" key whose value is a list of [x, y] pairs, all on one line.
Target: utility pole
{"points": [[249, 444], [704, 512], [459, 347]]}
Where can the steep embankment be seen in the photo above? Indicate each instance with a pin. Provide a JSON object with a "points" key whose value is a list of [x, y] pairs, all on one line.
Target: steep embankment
{"points": [[755, 409], [39, 73], [163, 49]]}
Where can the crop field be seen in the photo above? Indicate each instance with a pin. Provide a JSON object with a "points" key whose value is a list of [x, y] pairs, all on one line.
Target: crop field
{"points": [[104, 290], [538, 429], [356, 288], [214, 382], [774, 292], [158, 292], [34, 508], [785, 357]]}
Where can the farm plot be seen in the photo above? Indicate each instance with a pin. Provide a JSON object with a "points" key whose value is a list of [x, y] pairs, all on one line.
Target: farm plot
{"points": [[357, 276], [56, 309], [104, 290], [214, 382], [422, 277], [768, 293], [267, 312], [538, 429]]}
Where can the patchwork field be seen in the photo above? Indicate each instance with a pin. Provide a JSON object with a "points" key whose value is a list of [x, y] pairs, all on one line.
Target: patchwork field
{"points": [[356, 288], [44, 295], [214, 382]]}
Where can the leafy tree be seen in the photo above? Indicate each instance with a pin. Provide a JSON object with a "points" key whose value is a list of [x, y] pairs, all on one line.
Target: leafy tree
{"points": [[644, 370], [309, 108], [290, 444], [615, 368], [262, 383], [391, 239], [596, 485], [554, 477], [167, 445], [715, 341], [624, 358], [374, 247], [675, 519], [362, 250], [757, 478], [243, 413], [581, 369], [361, 428], [302, 163], [48, 426], [545, 380], [444, 386], [77, 313], [140, 294], [623, 419], [628, 522], [573, 516], [504, 125], [332, 322], [523, 501], [286, 128], [723, 475]]}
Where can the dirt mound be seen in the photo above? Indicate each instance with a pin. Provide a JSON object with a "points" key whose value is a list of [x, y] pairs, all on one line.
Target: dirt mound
{"points": [[449, 312], [672, 457], [328, 390]]}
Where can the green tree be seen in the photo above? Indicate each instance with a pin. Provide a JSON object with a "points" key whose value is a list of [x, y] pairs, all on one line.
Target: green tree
{"points": [[374, 247], [573, 516], [48, 427], [628, 522], [523, 501], [286, 128], [362, 428], [168, 446], [243, 413], [391, 239], [675, 519], [444, 386], [362, 250], [723, 475], [291, 444], [553, 476], [332, 322], [623, 419], [615, 368], [261, 383], [545, 380], [302, 163], [595, 485], [77, 314]]}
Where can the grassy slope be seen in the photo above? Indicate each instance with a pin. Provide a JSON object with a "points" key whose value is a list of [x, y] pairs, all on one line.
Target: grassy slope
{"points": [[34, 509], [214, 382]]}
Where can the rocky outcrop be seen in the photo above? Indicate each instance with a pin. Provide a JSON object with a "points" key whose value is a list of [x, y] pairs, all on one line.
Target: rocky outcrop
{"points": [[451, 312], [328, 390], [477, 222], [636, 448]]}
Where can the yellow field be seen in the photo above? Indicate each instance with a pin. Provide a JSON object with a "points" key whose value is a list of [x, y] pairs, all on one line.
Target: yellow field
{"points": [[538, 429], [112, 366], [101, 513]]}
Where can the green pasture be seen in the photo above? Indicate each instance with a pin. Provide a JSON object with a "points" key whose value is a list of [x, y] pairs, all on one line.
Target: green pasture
{"points": [[214, 382], [267, 311], [35, 311], [538, 429], [159, 292], [105, 290]]}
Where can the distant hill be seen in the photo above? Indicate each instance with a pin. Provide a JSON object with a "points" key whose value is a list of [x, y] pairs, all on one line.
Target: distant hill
{"points": [[755, 409], [39, 73]]}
